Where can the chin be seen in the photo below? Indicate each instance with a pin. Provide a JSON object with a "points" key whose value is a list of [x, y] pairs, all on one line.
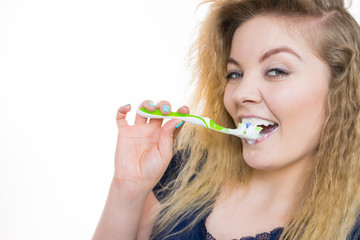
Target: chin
{"points": [[261, 164], [263, 167]]}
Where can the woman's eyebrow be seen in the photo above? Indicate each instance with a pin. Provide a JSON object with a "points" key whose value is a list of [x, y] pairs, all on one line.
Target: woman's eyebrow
{"points": [[279, 50], [268, 54], [233, 61]]}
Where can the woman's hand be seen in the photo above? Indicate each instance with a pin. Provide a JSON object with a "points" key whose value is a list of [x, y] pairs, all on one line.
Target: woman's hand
{"points": [[144, 149]]}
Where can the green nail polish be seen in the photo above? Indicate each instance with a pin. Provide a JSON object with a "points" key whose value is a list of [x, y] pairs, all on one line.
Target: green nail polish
{"points": [[180, 124], [151, 104], [166, 108]]}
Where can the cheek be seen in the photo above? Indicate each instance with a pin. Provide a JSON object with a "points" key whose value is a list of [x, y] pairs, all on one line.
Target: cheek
{"points": [[298, 98], [300, 109], [228, 101], [285, 100]]}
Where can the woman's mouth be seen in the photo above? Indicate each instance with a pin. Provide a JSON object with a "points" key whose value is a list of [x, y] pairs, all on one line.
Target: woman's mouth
{"points": [[268, 128]]}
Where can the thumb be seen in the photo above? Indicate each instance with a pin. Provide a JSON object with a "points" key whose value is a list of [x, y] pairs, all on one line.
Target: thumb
{"points": [[167, 137]]}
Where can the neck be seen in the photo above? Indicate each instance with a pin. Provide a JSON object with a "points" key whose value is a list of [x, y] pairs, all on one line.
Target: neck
{"points": [[274, 191], [277, 188]]}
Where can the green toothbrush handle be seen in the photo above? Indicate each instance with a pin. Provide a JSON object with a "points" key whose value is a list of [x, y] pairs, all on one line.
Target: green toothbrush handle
{"points": [[200, 121]]}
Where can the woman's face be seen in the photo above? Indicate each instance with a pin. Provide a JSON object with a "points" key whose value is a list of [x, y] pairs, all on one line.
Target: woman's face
{"points": [[275, 78]]}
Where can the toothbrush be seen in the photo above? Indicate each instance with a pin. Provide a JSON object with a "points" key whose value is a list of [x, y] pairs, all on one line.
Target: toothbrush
{"points": [[248, 130]]}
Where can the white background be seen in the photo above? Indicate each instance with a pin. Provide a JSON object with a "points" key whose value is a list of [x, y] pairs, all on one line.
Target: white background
{"points": [[65, 68]]}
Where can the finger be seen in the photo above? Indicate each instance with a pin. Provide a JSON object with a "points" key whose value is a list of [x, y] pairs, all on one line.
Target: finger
{"points": [[184, 110], [157, 122], [165, 108], [179, 126], [150, 106], [167, 137], [121, 115]]}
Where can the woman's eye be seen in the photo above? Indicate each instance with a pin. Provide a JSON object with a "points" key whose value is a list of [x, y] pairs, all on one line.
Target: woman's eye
{"points": [[277, 73], [234, 75]]}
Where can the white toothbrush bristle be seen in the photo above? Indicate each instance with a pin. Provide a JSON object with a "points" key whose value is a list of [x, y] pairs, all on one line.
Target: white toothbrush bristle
{"points": [[248, 131]]}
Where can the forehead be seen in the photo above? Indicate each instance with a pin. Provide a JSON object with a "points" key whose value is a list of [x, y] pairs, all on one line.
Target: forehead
{"points": [[265, 32]]}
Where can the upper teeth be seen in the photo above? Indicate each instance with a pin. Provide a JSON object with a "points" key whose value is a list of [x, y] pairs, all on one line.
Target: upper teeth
{"points": [[257, 121]]}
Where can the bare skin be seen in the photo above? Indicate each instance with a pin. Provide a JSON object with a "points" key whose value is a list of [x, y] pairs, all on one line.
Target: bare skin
{"points": [[143, 152], [264, 203]]}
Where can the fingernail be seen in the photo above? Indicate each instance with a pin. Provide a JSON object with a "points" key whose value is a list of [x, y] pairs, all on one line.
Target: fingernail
{"points": [[151, 104], [127, 104], [166, 108], [180, 124]]}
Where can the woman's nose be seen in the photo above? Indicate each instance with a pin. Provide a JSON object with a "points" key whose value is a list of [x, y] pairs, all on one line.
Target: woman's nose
{"points": [[247, 91]]}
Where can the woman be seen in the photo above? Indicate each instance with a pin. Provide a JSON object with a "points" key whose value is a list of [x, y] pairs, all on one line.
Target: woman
{"points": [[292, 65]]}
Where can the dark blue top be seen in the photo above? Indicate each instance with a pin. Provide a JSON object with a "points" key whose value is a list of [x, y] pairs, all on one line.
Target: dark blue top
{"points": [[199, 232]]}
